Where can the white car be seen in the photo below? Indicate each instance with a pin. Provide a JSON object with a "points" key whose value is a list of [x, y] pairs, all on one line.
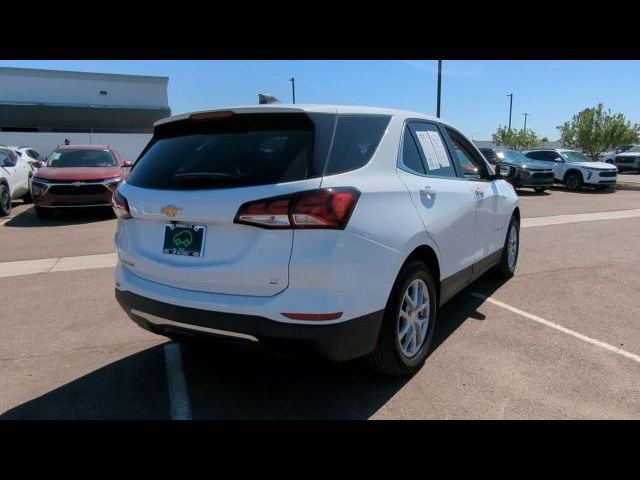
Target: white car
{"points": [[333, 230], [575, 169], [624, 158], [15, 179], [34, 159]]}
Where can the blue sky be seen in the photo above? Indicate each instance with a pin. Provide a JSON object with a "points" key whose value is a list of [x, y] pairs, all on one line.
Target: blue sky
{"points": [[473, 92]]}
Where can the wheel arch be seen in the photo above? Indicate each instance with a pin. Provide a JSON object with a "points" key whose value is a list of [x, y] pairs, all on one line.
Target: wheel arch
{"points": [[428, 255], [516, 213], [571, 170]]}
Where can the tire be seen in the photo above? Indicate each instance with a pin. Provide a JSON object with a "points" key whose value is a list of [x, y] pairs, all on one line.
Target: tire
{"points": [[573, 181], [5, 200], [540, 190], [506, 268], [27, 198], [44, 212], [390, 357]]}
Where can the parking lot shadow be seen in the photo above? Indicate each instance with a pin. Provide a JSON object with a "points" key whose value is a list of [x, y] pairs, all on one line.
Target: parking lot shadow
{"points": [[585, 190], [532, 193], [464, 307], [131, 388], [235, 382], [28, 218]]}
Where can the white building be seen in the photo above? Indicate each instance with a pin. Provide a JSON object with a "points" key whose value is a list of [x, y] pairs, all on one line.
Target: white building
{"points": [[42, 108]]}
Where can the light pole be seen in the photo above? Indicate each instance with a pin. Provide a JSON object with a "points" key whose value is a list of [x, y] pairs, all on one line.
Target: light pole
{"points": [[439, 87], [525, 122], [510, 107], [293, 88]]}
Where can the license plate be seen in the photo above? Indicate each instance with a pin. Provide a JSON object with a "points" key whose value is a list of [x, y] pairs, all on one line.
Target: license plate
{"points": [[184, 239]]}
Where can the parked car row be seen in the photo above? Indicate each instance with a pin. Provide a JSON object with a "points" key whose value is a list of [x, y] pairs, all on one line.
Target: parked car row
{"points": [[73, 176], [624, 158], [17, 167], [541, 168]]}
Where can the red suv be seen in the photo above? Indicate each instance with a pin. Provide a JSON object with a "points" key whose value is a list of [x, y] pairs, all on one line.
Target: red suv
{"points": [[78, 176]]}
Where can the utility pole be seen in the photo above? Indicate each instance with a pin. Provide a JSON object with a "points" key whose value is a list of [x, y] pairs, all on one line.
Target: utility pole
{"points": [[439, 87], [293, 88], [525, 122], [510, 107]]}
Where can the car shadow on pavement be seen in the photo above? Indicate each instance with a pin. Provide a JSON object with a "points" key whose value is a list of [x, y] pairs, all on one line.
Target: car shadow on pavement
{"points": [[236, 382], [28, 218], [131, 388], [464, 307], [532, 193], [584, 190]]}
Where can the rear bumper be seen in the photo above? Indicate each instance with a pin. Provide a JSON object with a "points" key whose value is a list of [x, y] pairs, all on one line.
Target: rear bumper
{"points": [[336, 342]]}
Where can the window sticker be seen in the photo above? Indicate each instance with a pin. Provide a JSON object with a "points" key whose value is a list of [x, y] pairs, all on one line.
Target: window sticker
{"points": [[429, 150], [441, 153]]}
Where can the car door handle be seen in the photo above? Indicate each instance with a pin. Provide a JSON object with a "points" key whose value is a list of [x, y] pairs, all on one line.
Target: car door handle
{"points": [[427, 191], [479, 192]]}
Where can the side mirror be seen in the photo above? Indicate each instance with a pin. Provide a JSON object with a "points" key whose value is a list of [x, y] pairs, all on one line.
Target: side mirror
{"points": [[506, 171], [127, 164]]}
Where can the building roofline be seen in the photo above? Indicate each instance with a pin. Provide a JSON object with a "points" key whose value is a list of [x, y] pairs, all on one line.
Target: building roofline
{"points": [[85, 75]]}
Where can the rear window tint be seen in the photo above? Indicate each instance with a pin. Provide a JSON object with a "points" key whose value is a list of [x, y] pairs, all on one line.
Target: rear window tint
{"points": [[356, 139], [243, 150]]}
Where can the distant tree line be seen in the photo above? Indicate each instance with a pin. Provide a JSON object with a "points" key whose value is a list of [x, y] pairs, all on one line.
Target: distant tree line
{"points": [[593, 131]]}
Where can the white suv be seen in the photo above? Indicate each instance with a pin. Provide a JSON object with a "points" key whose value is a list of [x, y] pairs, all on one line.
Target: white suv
{"points": [[575, 169], [623, 158], [15, 179], [337, 230]]}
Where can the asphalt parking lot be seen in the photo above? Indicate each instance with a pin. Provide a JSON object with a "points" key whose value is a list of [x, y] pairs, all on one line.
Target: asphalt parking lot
{"points": [[559, 340]]}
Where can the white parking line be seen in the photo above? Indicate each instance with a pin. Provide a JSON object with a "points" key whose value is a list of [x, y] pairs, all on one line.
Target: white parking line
{"points": [[579, 217], [180, 407], [63, 264], [560, 328]]}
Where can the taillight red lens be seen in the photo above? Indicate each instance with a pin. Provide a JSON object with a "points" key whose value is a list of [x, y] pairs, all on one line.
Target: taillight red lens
{"points": [[120, 205], [322, 208]]}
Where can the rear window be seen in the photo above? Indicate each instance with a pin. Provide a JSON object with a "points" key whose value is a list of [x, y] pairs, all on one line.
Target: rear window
{"points": [[82, 158], [242, 150], [254, 149]]}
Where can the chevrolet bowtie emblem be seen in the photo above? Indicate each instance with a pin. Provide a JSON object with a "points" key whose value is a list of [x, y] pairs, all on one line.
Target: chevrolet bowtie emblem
{"points": [[77, 184], [170, 210]]}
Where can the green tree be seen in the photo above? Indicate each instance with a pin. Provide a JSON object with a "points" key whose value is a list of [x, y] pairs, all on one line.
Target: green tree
{"points": [[516, 139], [594, 130]]}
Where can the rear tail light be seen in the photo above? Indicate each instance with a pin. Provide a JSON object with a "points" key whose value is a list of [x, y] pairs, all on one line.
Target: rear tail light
{"points": [[120, 205], [328, 208]]}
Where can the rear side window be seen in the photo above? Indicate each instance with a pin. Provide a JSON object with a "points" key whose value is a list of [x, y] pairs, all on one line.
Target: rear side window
{"points": [[356, 139], [242, 150], [410, 155]]}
